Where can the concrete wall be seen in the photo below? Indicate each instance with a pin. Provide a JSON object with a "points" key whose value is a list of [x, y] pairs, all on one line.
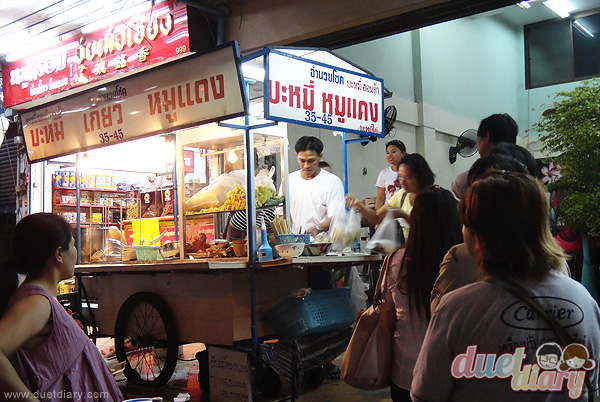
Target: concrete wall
{"points": [[445, 78]]}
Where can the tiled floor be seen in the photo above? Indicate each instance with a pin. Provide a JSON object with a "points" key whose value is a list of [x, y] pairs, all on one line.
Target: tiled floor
{"points": [[185, 379]]}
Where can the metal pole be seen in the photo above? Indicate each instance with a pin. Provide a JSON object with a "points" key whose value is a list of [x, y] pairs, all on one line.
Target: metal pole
{"points": [[345, 162], [78, 206], [251, 222]]}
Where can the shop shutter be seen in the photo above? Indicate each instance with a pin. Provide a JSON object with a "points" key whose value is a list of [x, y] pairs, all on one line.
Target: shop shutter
{"points": [[8, 176]]}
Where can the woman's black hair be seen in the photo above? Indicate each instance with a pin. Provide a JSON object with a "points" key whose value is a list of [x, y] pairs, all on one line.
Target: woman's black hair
{"points": [[508, 214], [397, 143], [435, 227], [521, 154], [419, 168], [35, 238]]}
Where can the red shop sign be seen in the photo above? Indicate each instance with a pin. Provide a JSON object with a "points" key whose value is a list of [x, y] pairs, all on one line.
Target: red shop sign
{"points": [[155, 35]]}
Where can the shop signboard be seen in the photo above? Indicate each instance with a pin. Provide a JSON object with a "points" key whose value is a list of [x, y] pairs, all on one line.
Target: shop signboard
{"points": [[155, 35], [182, 94], [310, 93]]}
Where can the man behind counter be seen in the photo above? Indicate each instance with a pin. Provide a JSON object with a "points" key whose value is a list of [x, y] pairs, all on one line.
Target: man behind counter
{"points": [[315, 194], [315, 197]]}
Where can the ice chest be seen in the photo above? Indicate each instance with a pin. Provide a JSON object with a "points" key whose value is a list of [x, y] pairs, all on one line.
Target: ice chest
{"points": [[320, 311]]}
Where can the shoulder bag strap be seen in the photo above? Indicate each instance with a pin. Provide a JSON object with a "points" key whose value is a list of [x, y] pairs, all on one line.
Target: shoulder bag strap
{"points": [[522, 294], [382, 274], [403, 198]]}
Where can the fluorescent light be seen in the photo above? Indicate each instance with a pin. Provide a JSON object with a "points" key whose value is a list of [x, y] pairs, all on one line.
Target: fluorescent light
{"points": [[583, 29], [524, 5], [39, 43], [558, 7]]}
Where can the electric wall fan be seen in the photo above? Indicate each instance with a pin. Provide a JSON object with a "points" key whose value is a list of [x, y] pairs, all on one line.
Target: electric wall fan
{"points": [[466, 145]]}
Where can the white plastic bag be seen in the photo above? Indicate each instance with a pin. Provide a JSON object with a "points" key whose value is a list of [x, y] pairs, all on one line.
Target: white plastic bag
{"points": [[386, 239], [345, 229], [214, 194], [358, 297]]}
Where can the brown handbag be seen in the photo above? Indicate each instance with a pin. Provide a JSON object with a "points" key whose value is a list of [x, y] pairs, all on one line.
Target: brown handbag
{"points": [[368, 359]]}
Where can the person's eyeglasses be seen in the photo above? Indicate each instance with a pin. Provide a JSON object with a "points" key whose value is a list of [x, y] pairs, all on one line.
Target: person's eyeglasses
{"points": [[549, 359]]}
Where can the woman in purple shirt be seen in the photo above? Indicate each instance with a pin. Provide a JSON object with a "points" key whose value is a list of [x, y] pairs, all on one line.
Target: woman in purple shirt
{"points": [[44, 355]]}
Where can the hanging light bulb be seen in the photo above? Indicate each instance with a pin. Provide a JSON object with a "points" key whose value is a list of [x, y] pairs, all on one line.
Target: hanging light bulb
{"points": [[232, 157]]}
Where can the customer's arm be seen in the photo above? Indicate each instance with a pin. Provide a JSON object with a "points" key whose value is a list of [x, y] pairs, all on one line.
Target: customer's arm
{"points": [[21, 323], [373, 216]]}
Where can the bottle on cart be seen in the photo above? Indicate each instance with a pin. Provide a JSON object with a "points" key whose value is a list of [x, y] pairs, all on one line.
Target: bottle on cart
{"points": [[265, 252]]}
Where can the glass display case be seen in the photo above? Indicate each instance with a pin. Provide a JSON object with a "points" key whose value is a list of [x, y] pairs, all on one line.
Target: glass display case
{"points": [[216, 163]]}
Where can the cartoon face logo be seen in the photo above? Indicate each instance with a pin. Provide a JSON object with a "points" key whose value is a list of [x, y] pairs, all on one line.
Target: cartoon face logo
{"points": [[548, 355], [575, 357], [575, 362]]}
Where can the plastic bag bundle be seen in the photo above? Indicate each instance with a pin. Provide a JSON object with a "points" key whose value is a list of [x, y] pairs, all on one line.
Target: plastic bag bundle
{"points": [[386, 239], [345, 229], [215, 193]]}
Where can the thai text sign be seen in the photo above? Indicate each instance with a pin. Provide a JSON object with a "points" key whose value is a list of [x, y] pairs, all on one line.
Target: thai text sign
{"points": [[155, 35], [308, 93], [186, 93]]}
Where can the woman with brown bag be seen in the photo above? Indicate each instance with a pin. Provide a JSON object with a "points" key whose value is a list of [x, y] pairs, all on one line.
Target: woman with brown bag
{"points": [[435, 228], [405, 285]]}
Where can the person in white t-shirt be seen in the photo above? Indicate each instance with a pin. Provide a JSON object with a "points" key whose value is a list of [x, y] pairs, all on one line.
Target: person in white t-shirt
{"points": [[315, 194], [387, 181]]}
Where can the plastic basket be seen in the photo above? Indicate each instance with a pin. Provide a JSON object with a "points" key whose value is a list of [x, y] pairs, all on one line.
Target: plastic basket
{"points": [[320, 311]]}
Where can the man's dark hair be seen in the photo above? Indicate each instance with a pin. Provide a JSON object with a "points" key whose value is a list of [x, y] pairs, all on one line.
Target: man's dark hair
{"points": [[501, 127], [309, 143], [323, 164]]}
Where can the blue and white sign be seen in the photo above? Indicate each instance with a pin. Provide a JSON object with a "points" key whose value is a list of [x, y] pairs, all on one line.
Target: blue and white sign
{"points": [[305, 92]]}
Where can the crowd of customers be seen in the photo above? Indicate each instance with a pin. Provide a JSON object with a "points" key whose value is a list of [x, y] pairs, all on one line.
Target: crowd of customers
{"points": [[484, 305], [459, 334]]}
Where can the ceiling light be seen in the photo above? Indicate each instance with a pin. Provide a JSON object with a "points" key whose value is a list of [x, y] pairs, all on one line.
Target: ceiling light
{"points": [[524, 5], [232, 157], [558, 7], [583, 29], [38, 43]]}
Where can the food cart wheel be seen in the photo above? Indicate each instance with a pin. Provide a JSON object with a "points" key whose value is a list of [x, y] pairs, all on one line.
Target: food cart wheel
{"points": [[146, 339]]}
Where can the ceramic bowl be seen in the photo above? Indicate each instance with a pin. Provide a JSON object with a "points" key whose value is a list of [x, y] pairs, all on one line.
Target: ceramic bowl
{"points": [[292, 238], [290, 250]]}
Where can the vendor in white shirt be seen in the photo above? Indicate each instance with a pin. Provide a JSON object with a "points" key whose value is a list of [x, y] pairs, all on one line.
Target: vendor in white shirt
{"points": [[315, 194]]}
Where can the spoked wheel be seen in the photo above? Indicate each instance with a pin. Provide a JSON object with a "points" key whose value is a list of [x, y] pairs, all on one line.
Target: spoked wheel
{"points": [[146, 339]]}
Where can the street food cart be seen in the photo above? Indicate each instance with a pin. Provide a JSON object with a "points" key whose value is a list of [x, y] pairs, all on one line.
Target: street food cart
{"points": [[157, 301]]}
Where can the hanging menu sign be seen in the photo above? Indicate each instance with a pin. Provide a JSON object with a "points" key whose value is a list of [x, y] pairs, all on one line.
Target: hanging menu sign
{"points": [[153, 35], [305, 92], [183, 94]]}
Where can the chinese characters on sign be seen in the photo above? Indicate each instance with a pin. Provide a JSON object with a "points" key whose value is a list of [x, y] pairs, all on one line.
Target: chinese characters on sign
{"points": [[155, 35]]}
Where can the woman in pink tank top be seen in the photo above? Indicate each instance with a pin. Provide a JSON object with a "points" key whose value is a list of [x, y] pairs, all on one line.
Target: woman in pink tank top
{"points": [[44, 355]]}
